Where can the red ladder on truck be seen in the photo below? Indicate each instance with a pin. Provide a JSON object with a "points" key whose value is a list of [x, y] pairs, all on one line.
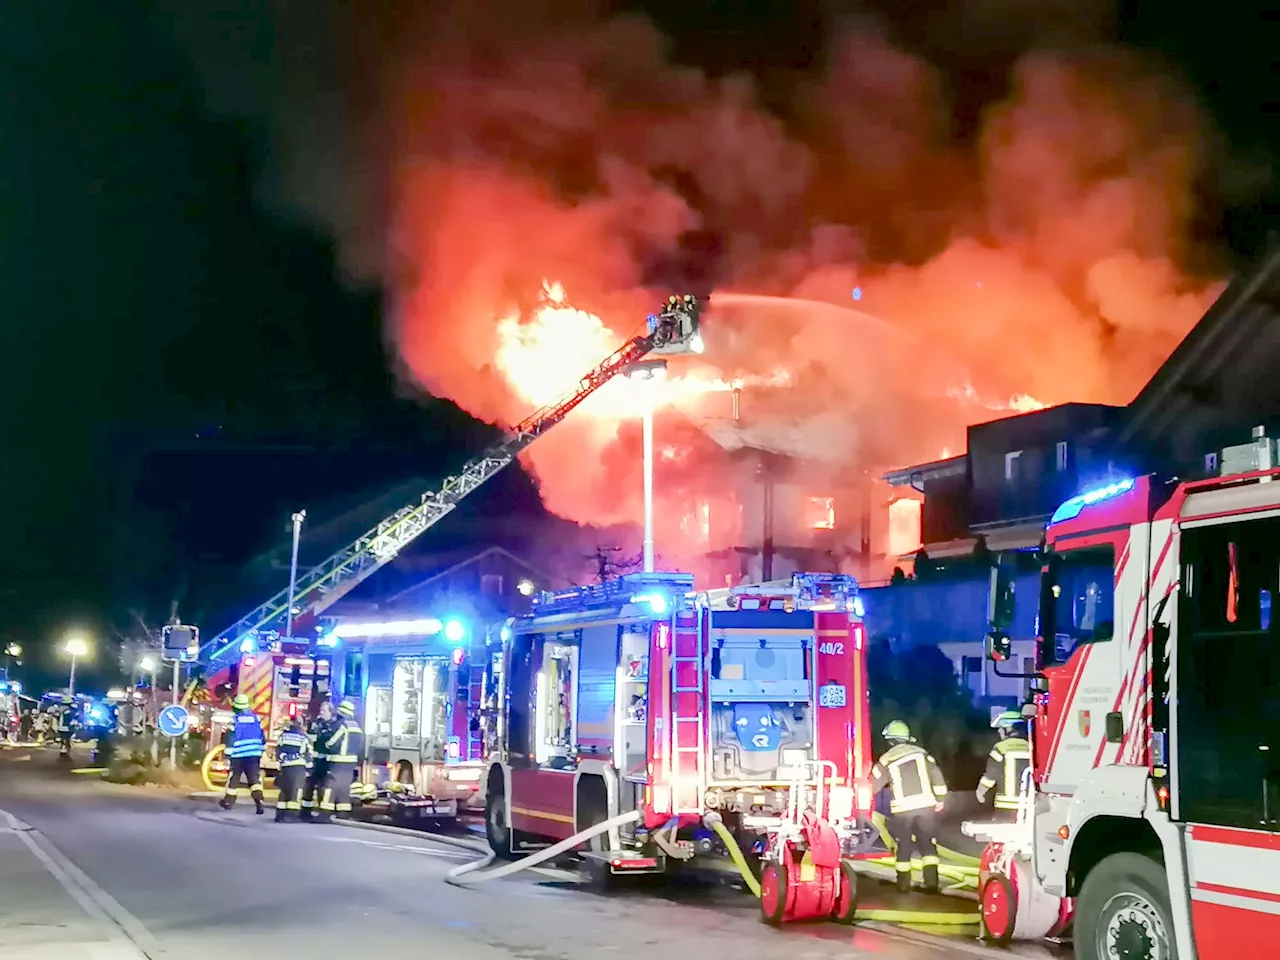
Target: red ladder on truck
{"points": [[688, 742]]}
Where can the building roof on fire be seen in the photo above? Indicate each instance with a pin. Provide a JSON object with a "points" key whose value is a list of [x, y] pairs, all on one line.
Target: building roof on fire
{"points": [[916, 476], [1220, 375]]}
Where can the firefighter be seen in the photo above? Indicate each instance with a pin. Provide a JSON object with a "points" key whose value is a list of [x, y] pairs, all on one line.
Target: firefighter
{"points": [[344, 747], [916, 794], [1008, 759], [65, 722], [318, 733], [245, 743], [293, 749]]}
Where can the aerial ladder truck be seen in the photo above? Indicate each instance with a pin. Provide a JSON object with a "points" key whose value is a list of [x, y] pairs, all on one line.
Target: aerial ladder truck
{"points": [[282, 675]]}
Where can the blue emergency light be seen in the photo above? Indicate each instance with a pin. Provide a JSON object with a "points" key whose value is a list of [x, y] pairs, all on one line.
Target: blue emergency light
{"points": [[1070, 509], [454, 630]]}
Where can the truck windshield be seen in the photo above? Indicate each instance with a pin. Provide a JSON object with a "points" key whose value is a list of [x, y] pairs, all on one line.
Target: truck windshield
{"points": [[1077, 601]]}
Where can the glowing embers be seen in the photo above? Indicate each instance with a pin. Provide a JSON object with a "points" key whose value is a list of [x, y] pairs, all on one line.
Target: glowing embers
{"points": [[820, 513], [1071, 508]]}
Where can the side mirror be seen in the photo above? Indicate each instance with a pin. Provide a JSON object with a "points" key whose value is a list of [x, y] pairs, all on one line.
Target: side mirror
{"points": [[1000, 601], [999, 646]]}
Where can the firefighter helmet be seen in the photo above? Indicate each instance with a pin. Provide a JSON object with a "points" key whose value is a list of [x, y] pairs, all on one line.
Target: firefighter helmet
{"points": [[896, 730], [1007, 723], [240, 702], [347, 709]]}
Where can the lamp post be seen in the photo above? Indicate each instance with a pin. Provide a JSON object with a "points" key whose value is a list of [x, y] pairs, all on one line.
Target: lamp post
{"points": [[76, 646], [293, 570], [647, 373]]}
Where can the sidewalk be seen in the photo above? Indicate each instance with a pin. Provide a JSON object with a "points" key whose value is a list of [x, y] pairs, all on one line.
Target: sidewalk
{"points": [[39, 917]]}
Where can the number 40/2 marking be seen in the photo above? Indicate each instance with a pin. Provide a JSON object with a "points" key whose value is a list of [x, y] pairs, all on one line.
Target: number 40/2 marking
{"points": [[834, 649]]}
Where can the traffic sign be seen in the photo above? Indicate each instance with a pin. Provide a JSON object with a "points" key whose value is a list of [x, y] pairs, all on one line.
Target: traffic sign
{"points": [[172, 720]]}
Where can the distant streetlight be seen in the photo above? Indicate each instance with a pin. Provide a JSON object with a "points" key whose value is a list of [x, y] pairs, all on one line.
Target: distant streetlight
{"points": [[75, 646], [526, 588], [13, 650], [648, 372], [147, 665]]}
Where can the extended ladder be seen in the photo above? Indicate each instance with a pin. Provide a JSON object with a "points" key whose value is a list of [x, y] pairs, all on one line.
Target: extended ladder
{"points": [[673, 330]]}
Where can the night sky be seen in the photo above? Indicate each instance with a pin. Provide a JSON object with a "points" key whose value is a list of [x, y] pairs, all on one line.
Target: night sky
{"points": [[186, 363]]}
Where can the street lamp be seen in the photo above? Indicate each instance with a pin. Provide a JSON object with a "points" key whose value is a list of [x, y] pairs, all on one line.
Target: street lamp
{"points": [[293, 570], [147, 665], [75, 646], [13, 650], [648, 373]]}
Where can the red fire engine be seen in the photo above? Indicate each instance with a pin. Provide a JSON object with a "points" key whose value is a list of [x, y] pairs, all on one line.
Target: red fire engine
{"points": [[1156, 799], [413, 684], [281, 678], [643, 695]]}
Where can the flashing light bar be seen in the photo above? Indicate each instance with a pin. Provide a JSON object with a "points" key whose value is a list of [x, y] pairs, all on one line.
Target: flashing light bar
{"points": [[393, 628], [657, 601], [1070, 509]]}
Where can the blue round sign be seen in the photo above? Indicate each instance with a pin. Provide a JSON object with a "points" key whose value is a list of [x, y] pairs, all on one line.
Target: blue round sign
{"points": [[172, 720]]}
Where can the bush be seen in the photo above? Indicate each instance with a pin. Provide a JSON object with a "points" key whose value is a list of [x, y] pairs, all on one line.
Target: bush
{"points": [[918, 685]]}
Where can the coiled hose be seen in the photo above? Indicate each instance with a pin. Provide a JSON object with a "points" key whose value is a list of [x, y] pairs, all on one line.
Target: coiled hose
{"points": [[920, 917], [469, 873]]}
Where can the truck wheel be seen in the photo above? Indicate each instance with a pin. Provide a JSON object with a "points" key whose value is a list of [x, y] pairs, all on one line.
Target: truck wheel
{"points": [[496, 828], [773, 893], [1123, 911], [999, 910], [846, 907]]}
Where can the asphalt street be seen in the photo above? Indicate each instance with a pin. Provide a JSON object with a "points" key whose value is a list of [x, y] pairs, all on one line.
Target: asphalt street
{"points": [[90, 869]]}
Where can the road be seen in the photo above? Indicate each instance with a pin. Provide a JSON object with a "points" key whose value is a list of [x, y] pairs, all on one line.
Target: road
{"points": [[90, 869]]}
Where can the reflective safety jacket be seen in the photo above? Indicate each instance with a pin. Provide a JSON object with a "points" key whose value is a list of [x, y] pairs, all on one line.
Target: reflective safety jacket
{"points": [[1008, 759], [293, 748], [245, 738], [345, 743], [66, 714], [912, 776]]}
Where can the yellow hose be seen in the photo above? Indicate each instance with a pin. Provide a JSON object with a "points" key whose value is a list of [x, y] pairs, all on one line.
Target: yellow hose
{"points": [[206, 767], [715, 823], [932, 918]]}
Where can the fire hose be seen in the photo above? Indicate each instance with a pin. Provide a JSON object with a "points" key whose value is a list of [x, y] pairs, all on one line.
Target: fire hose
{"points": [[922, 917], [469, 873]]}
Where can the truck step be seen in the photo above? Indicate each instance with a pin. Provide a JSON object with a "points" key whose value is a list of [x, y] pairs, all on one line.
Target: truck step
{"points": [[625, 861]]}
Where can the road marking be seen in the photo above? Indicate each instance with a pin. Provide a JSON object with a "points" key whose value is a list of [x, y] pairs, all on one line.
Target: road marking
{"points": [[128, 935], [425, 851]]}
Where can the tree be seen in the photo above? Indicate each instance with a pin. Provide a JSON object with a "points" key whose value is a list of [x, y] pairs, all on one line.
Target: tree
{"points": [[918, 684]]}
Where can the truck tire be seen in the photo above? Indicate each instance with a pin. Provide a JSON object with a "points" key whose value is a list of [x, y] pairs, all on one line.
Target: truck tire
{"points": [[1123, 910], [497, 829]]}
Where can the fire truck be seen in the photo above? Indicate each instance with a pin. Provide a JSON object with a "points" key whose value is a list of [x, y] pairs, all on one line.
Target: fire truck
{"points": [[1156, 728], [412, 682], [283, 679], [643, 695]]}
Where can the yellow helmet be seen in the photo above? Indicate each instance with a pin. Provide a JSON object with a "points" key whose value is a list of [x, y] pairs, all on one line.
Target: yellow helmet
{"points": [[347, 709], [240, 702], [896, 730]]}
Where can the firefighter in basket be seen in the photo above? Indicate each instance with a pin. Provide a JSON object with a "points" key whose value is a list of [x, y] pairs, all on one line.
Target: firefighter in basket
{"points": [[916, 794], [245, 744], [293, 750], [1008, 759]]}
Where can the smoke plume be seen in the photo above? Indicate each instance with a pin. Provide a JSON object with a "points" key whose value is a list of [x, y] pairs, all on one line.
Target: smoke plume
{"points": [[904, 277]]}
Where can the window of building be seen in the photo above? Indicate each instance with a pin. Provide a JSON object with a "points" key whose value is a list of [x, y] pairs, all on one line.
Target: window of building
{"points": [[971, 665], [1062, 455], [1228, 675], [1011, 465], [820, 513], [492, 584]]}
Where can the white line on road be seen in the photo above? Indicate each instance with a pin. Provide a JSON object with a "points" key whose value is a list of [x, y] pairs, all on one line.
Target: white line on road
{"points": [[425, 851], [125, 930]]}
